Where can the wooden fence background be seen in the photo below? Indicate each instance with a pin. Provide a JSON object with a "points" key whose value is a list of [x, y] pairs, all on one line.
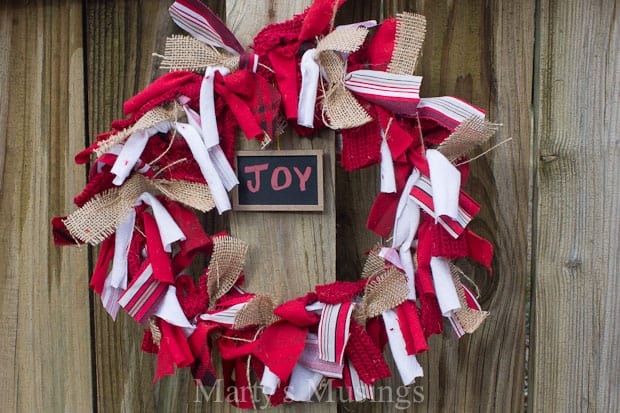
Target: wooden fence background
{"points": [[548, 70]]}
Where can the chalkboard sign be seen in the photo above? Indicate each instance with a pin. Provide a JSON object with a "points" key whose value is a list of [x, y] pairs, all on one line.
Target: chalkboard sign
{"points": [[279, 181]]}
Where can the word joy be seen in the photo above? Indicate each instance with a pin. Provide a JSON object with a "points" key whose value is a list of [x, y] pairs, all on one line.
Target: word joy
{"points": [[281, 177]]}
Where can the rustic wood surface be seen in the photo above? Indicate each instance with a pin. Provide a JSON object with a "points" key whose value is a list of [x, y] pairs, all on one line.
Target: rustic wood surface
{"points": [[59, 86], [576, 313], [45, 345]]}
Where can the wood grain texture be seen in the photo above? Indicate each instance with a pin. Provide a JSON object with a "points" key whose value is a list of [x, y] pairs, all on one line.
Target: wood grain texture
{"points": [[481, 52], [289, 252], [575, 320], [45, 353], [121, 37]]}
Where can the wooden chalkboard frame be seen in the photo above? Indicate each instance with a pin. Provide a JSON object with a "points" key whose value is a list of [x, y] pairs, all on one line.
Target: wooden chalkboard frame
{"points": [[318, 207]]}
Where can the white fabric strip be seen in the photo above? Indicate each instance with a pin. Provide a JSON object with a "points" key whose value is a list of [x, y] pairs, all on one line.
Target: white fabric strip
{"points": [[391, 255], [109, 298], [405, 228], [447, 296], [367, 24], [170, 310], [122, 240], [226, 316], [207, 106], [445, 183], [269, 382], [303, 384], [201, 155], [309, 83], [407, 365], [388, 178], [132, 149], [361, 390], [169, 231], [223, 168]]}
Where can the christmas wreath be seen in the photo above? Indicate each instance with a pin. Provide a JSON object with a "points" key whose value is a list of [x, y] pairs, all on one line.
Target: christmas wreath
{"points": [[172, 156]]}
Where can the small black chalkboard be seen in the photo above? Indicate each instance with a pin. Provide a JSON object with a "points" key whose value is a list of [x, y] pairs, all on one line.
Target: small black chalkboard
{"points": [[279, 181]]}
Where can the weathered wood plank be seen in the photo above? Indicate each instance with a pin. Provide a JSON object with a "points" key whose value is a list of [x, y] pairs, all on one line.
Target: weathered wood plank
{"points": [[289, 253], [45, 348], [481, 52], [576, 253]]}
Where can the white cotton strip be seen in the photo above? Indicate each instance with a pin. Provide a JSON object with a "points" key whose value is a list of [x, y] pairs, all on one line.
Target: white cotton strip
{"points": [[269, 382], [446, 184], [207, 106], [109, 298], [169, 231], [447, 296], [201, 155], [132, 149], [391, 256], [309, 84], [226, 316], [317, 306], [170, 310], [122, 240], [223, 168], [303, 384], [129, 155], [405, 229], [407, 364], [388, 178]]}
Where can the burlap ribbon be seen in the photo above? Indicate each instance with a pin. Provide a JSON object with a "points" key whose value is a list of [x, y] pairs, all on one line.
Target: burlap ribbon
{"points": [[472, 132], [469, 318], [99, 217], [150, 119], [225, 267], [257, 312], [187, 53], [410, 33], [387, 288], [340, 109]]}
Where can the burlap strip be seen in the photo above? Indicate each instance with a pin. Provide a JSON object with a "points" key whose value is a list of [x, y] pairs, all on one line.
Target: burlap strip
{"points": [[99, 217], [226, 264], [472, 132], [257, 312], [340, 109], [410, 32], [374, 265], [186, 53], [151, 118], [383, 293], [469, 318]]}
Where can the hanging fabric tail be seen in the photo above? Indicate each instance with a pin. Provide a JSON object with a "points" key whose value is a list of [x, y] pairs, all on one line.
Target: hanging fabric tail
{"points": [[196, 19]]}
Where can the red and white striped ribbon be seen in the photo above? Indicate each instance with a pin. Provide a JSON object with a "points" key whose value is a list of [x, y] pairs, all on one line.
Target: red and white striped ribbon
{"points": [[334, 331]]}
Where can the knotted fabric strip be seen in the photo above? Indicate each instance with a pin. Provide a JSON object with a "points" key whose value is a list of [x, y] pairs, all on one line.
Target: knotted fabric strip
{"points": [[155, 120], [225, 267], [100, 217], [340, 107]]}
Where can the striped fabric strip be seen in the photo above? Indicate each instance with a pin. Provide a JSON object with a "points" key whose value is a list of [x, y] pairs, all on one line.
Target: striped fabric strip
{"points": [[334, 331], [310, 359], [397, 93], [226, 316], [358, 389], [196, 19], [448, 111], [422, 194], [143, 294]]}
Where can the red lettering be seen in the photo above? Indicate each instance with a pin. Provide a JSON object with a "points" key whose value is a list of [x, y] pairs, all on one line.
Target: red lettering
{"points": [[288, 179], [257, 169], [303, 178]]}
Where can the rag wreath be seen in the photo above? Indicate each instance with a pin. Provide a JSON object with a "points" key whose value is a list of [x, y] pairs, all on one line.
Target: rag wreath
{"points": [[173, 153]]}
